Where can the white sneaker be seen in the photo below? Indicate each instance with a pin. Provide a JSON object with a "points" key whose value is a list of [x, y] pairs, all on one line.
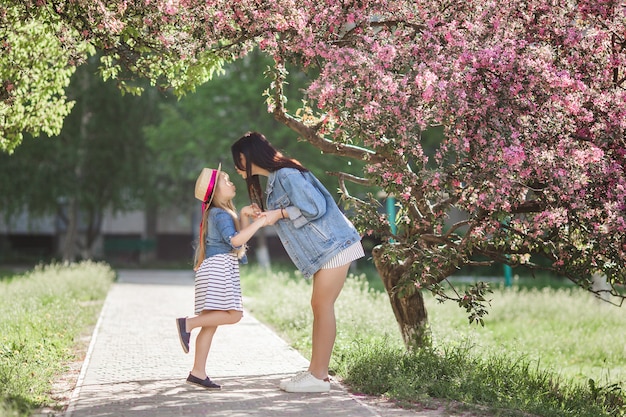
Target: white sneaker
{"points": [[283, 382], [305, 382]]}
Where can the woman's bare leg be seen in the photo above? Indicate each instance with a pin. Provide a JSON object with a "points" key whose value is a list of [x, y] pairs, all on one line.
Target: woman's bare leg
{"points": [[327, 284]]}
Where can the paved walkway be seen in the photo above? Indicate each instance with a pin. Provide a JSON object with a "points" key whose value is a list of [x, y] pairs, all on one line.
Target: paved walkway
{"points": [[136, 367]]}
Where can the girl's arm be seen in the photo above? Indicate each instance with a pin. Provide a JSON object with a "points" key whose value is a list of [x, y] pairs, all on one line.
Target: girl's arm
{"points": [[246, 233]]}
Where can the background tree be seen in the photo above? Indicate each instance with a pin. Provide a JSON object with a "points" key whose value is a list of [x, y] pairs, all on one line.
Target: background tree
{"points": [[43, 42], [38, 59], [199, 128], [530, 97], [98, 162]]}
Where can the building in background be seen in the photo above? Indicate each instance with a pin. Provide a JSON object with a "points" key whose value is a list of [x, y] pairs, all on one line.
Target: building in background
{"points": [[123, 240]]}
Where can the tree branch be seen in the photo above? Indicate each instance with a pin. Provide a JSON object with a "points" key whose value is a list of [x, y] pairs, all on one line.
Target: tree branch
{"points": [[311, 136], [325, 145], [342, 176], [352, 178]]}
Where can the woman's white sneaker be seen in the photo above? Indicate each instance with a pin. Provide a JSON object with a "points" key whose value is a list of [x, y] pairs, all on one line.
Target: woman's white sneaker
{"points": [[305, 382], [283, 382]]}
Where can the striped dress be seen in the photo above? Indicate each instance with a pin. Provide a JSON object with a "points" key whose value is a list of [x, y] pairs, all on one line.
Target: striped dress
{"points": [[217, 285], [351, 253]]}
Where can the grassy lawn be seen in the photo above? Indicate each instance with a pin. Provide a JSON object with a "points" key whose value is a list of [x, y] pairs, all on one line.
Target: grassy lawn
{"points": [[537, 353], [550, 351], [42, 312], [566, 330]]}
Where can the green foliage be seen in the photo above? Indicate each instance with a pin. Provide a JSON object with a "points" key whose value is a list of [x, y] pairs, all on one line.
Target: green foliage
{"points": [[43, 45], [198, 130], [99, 161], [158, 68], [474, 302], [41, 314], [35, 68], [530, 356]]}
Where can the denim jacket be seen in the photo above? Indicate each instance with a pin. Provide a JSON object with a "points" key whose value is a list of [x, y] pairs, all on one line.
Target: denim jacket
{"points": [[221, 228], [316, 229]]}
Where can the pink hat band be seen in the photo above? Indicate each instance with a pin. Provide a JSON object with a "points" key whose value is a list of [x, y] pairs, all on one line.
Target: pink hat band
{"points": [[205, 188]]}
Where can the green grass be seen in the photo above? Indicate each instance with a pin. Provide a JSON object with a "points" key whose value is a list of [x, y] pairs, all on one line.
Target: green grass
{"points": [[42, 312], [567, 330], [537, 353]]}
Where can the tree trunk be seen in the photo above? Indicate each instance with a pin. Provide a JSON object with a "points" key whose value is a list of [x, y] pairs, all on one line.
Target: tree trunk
{"points": [[409, 310], [148, 253], [93, 232], [262, 251], [68, 247]]}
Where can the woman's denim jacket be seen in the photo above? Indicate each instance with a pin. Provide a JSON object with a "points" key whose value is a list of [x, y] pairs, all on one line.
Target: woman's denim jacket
{"points": [[221, 228], [316, 229]]}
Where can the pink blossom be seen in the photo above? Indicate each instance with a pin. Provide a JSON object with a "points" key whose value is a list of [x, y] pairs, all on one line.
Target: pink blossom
{"points": [[514, 155], [520, 108]]}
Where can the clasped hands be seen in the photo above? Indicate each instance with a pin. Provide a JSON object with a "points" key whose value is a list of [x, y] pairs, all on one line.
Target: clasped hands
{"points": [[253, 212]]}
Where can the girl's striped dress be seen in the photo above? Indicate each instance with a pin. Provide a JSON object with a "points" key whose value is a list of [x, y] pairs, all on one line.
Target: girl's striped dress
{"points": [[217, 284]]}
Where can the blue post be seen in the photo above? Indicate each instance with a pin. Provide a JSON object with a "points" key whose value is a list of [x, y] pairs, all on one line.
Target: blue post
{"points": [[508, 276], [391, 213], [508, 271]]}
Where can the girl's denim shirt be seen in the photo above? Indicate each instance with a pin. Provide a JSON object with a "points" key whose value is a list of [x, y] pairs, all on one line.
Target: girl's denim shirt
{"points": [[316, 229], [221, 228]]}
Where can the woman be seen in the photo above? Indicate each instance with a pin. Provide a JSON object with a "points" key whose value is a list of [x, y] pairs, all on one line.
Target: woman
{"points": [[319, 239]]}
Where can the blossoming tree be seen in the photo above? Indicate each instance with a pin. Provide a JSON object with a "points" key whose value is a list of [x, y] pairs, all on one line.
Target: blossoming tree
{"points": [[530, 96]]}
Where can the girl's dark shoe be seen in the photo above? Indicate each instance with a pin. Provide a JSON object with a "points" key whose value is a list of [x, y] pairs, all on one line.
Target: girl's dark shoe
{"points": [[204, 383], [183, 334]]}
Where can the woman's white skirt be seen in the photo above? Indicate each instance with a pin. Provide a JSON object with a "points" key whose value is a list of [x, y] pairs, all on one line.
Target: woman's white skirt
{"points": [[217, 284], [348, 255]]}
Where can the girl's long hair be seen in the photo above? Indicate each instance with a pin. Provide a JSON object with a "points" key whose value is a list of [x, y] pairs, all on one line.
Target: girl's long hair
{"points": [[257, 150], [200, 252]]}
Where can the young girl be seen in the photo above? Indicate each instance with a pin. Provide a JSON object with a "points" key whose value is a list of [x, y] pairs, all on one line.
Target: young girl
{"points": [[320, 240], [220, 248]]}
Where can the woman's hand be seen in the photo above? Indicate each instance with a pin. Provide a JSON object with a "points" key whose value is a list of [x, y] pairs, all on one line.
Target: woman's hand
{"points": [[274, 215]]}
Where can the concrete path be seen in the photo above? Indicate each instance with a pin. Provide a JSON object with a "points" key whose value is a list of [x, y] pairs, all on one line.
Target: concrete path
{"points": [[136, 367]]}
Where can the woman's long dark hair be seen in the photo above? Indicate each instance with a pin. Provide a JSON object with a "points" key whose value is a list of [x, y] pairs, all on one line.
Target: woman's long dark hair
{"points": [[257, 150]]}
